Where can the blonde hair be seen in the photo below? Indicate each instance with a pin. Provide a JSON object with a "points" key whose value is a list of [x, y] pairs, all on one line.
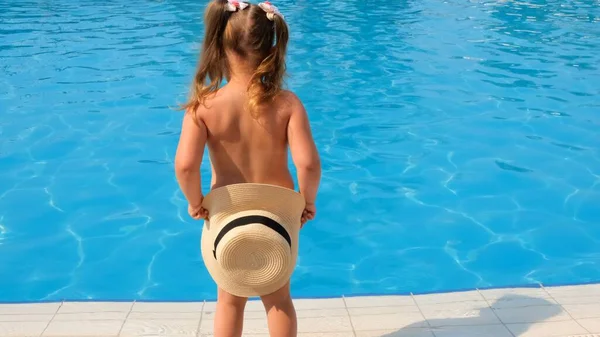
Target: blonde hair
{"points": [[251, 35]]}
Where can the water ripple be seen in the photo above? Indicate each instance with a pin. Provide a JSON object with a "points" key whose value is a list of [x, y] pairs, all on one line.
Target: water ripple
{"points": [[459, 140]]}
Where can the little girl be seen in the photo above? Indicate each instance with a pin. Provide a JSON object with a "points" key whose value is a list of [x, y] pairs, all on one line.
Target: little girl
{"points": [[247, 124]]}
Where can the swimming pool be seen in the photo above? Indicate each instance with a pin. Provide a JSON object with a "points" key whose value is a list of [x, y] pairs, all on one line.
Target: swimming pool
{"points": [[459, 139]]}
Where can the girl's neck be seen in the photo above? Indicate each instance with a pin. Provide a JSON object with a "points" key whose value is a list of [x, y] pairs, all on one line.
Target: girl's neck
{"points": [[237, 79], [241, 71]]}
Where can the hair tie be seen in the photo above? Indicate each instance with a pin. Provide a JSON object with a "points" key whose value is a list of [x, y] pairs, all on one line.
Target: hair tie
{"points": [[271, 10], [234, 5]]}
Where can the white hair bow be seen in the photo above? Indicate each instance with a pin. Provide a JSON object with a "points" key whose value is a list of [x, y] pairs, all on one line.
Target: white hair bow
{"points": [[234, 5], [270, 9]]}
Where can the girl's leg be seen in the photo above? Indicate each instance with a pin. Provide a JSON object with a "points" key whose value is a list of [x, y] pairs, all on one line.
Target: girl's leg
{"points": [[281, 314], [229, 316]]}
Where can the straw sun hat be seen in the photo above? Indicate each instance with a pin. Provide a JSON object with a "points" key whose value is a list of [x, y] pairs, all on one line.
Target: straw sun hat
{"points": [[250, 242]]}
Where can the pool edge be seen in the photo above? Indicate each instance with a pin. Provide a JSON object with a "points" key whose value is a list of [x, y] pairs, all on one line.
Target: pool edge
{"points": [[447, 291]]}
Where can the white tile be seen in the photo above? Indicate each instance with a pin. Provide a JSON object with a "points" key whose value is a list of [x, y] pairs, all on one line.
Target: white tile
{"points": [[425, 332], [577, 300], [521, 301], [251, 326], [308, 325], [321, 313], [300, 304], [167, 307], [210, 315], [495, 294], [83, 328], [575, 291], [92, 316], [209, 307], [326, 334], [325, 324], [80, 307], [383, 310], [244, 334], [583, 310], [465, 305], [22, 329], [311, 334], [450, 318], [592, 324], [388, 321], [170, 327], [329, 303], [378, 301], [533, 314], [26, 318], [165, 315], [448, 297], [547, 329], [299, 313], [473, 331], [34, 308], [459, 313], [207, 327], [248, 315], [256, 325], [254, 305]]}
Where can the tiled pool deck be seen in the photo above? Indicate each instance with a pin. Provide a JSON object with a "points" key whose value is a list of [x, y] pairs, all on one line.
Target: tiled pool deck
{"points": [[517, 312]]}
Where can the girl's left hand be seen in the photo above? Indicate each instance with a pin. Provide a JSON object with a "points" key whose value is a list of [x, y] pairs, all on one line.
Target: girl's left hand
{"points": [[198, 212]]}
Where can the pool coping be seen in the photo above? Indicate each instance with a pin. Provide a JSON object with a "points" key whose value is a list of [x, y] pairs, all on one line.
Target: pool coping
{"points": [[533, 310], [457, 290]]}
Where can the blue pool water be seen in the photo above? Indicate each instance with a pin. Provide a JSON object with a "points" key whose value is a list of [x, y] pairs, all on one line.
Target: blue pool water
{"points": [[460, 144]]}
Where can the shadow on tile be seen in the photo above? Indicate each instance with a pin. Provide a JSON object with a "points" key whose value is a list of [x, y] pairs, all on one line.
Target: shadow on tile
{"points": [[527, 307]]}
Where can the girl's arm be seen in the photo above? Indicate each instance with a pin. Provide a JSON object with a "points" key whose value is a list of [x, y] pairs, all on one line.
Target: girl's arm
{"points": [[189, 158], [304, 152]]}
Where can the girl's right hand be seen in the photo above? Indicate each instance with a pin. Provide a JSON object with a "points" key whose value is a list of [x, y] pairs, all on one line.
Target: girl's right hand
{"points": [[309, 213], [198, 212]]}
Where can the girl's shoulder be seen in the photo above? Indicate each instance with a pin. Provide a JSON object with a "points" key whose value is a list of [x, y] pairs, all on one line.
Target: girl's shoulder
{"points": [[289, 98]]}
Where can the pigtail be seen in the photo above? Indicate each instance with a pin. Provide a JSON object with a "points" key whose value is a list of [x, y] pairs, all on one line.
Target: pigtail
{"points": [[212, 67], [267, 80]]}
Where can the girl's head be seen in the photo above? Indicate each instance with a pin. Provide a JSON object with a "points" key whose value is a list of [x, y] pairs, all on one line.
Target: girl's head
{"points": [[255, 35]]}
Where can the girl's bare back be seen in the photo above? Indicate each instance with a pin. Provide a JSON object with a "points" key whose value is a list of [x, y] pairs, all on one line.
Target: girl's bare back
{"points": [[244, 149]]}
